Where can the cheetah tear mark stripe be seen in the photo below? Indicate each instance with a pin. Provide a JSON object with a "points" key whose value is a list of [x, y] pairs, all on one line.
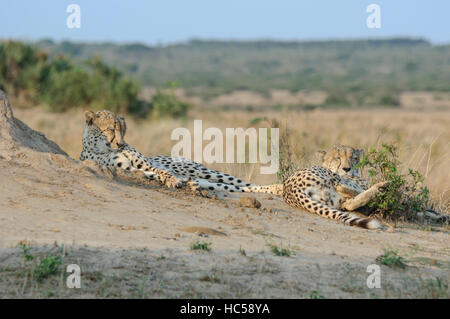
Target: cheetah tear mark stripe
{"points": [[318, 208]]}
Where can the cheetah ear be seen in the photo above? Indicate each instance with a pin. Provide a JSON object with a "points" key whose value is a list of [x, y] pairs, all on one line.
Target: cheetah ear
{"points": [[124, 126], [320, 154], [89, 115]]}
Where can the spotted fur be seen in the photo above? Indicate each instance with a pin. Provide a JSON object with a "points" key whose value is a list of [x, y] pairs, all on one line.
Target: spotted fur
{"points": [[103, 142]]}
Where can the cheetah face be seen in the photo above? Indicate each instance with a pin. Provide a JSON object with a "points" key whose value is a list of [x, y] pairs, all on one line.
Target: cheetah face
{"points": [[342, 160], [104, 130]]}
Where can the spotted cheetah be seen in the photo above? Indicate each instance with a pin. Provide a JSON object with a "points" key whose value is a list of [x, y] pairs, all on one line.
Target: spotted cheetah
{"points": [[103, 142], [328, 189]]}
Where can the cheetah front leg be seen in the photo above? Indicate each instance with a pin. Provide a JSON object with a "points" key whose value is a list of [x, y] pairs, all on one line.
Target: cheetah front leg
{"points": [[363, 198], [167, 178], [125, 160]]}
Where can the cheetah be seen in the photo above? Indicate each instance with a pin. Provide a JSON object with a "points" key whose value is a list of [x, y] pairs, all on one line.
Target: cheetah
{"points": [[329, 189], [103, 142]]}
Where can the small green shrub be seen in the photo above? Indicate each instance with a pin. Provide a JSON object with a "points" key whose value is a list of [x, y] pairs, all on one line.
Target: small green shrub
{"points": [[42, 266], [391, 258], [315, 294], [279, 250], [26, 252], [47, 266], [404, 195], [201, 245]]}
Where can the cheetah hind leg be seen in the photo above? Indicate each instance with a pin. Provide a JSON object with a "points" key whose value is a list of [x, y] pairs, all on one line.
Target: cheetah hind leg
{"points": [[275, 189], [212, 186], [363, 198], [195, 170], [222, 178]]}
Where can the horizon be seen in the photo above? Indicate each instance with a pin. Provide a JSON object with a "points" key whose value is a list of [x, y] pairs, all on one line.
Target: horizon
{"points": [[171, 22], [221, 40]]}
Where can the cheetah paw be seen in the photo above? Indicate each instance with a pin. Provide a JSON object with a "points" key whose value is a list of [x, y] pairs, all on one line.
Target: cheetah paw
{"points": [[172, 182]]}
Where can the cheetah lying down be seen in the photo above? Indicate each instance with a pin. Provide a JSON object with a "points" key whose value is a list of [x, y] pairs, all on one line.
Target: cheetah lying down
{"points": [[319, 190], [103, 142], [326, 190]]}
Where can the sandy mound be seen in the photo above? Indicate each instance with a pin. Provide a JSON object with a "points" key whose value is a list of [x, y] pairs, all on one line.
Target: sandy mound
{"points": [[16, 135]]}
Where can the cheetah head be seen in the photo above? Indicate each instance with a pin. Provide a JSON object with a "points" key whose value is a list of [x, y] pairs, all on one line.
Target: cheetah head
{"points": [[104, 130], [341, 159]]}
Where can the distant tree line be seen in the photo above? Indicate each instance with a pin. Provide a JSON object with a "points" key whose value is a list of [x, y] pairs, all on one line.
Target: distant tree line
{"points": [[354, 72]]}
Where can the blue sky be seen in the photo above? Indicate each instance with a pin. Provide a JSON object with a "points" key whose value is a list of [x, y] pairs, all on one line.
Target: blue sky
{"points": [[168, 21]]}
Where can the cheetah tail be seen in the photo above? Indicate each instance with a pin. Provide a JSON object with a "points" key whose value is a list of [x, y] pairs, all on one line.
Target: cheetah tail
{"points": [[349, 218], [275, 189], [368, 223]]}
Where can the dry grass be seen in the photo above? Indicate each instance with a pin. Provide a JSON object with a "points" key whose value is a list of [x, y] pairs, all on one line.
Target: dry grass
{"points": [[423, 137]]}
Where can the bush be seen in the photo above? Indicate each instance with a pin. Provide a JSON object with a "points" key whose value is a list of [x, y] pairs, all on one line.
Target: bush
{"points": [[61, 84], [391, 258], [337, 97], [389, 99], [67, 89], [404, 195], [20, 66], [42, 267], [166, 104]]}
